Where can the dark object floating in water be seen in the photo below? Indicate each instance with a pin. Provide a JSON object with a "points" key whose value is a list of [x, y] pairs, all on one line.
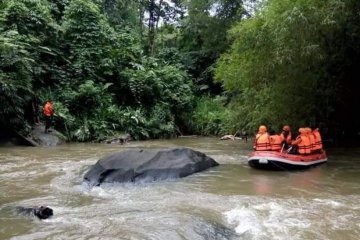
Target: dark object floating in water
{"points": [[41, 212], [138, 165]]}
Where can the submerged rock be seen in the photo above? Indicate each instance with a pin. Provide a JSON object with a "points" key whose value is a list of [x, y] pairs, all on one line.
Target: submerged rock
{"points": [[138, 165]]}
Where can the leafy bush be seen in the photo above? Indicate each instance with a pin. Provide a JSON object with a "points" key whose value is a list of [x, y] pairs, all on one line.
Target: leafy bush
{"points": [[277, 70], [210, 116], [15, 78]]}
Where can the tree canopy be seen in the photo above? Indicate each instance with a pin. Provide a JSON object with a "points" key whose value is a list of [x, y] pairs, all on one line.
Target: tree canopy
{"points": [[283, 66]]}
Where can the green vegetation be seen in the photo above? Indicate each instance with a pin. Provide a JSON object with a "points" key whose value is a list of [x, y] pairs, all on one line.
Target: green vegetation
{"points": [[292, 63], [157, 69], [211, 117]]}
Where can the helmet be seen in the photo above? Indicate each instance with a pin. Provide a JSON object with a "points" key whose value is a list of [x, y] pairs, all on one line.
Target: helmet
{"points": [[286, 128], [302, 130], [262, 129]]}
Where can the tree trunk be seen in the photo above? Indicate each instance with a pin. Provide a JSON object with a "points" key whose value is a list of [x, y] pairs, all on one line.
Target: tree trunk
{"points": [[151, 26]]}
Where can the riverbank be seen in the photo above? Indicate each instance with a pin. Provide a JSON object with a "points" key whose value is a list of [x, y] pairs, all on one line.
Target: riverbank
{"points": [[37, 137]]}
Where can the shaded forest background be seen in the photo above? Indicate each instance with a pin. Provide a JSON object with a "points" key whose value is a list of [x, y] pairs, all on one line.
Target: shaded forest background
{"points": [[158, 69]]}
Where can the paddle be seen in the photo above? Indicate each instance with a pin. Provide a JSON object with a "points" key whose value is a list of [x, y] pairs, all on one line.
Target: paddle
{"points": [[289, 149], [282, 148]]}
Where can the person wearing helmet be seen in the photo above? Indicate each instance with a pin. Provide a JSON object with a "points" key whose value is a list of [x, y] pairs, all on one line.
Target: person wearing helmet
{"points": [[311, 138], [262, 140], [275, 141], [302, 142], [318, 146]]}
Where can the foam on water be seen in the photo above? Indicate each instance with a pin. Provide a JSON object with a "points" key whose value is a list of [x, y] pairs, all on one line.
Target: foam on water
{"points": [[245, 220], [293, 218], [329, 202]]}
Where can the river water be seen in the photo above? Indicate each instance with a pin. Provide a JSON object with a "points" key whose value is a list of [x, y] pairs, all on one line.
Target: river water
{"points": [[231, 201]]}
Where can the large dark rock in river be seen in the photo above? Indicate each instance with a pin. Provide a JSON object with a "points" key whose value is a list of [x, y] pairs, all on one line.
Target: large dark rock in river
{"points": [[149, 165]]}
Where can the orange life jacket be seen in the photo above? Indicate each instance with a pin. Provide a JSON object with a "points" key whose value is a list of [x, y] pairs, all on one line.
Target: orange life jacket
{"points": [[317, 141], [48, 109], [312, 141], [275, 142], [262, 142], [304, 145]]}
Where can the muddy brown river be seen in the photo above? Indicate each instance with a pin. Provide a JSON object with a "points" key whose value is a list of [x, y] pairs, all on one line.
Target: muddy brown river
{"points": [[231, 201]]}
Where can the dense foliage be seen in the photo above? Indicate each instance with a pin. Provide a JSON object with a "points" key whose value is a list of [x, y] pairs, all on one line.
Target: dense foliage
{"points": [[83, 54], [290, 63], [147, 67]]}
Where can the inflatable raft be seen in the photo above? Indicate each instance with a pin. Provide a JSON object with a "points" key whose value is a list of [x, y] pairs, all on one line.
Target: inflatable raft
{"points": [[273, 160]]}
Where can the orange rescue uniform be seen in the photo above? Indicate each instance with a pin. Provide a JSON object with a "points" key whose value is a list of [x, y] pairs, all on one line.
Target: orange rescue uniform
{"points": [[275, 142], [262, 142], [48, 109], [317, 140], [303, 142]]}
